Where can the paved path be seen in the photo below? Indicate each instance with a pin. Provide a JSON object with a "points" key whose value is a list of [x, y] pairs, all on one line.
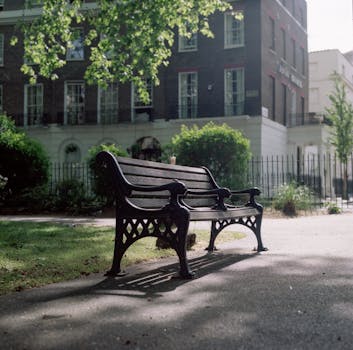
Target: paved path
{"points": [[298, 295]]}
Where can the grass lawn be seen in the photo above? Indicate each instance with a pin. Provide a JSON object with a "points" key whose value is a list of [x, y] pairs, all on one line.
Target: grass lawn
{"points": [[35, 254]]}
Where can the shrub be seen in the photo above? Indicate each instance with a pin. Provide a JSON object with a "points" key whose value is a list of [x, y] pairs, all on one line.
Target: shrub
{"points": [[23, 161], [220, 148], [333, 208], [70, 195], [101, 181], [290, 198]]}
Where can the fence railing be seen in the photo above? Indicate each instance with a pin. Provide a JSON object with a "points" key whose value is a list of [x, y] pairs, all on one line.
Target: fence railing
{"points": [[70, 171], [325, 175]]}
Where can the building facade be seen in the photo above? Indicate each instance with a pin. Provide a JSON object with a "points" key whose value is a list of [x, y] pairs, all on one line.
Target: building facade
{"points": [[253, 76]]}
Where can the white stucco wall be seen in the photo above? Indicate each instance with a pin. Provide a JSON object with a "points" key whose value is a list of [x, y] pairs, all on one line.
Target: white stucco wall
{"points": [[266, 137]]}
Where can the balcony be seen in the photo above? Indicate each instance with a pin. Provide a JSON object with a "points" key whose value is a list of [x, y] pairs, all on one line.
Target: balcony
{"points": [[300, 119]]}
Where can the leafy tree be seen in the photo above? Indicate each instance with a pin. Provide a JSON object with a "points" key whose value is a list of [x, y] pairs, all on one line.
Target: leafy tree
{"points": [[340, 114], [220, 148], [23, 161], [129, 40], [102, 185]]}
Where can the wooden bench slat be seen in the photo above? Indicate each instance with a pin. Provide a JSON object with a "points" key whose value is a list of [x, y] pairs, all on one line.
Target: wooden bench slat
{"points": [[162, 166], [129, 170], [159, 202], [207, 214], [156, 181]]}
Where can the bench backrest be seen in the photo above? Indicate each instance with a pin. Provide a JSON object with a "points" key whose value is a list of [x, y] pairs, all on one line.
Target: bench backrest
{"points": [[142, 173]]}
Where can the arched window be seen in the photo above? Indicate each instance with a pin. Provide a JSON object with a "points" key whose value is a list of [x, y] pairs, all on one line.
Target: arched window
{"points": [[72, 153], [147, 148]]}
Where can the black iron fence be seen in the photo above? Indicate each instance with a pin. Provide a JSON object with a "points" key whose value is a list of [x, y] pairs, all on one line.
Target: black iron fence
{"points": [[325, 175], [60, 172]]}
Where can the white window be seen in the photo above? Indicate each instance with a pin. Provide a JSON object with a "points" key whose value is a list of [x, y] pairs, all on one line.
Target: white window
{"points": [[76, 51], [234, 91], [188, 44], [137, 102], [74, 103], [33, 113], [1, 49], [108, 104], [233, 29], [188, 95]]}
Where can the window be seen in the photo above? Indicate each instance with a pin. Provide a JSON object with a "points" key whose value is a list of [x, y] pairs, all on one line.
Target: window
{"points": [[284, 44], [72, 155], [74, 103], [33, 3], [273, 34], [233, 29], [301, 17], [294, 58], [76, 52], [108, 104], [137, 102], [1, 49], [302, 108], [234, 91], [284, 101], [302, 59], [293, 108], [188, 44], [1, 99], [33, 113], [273, 97], [188, 95]]}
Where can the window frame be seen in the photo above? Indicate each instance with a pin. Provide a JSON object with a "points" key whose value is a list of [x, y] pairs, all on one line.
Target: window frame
{"points": [[187, 96], [273, 34], [114, 112], [72, 50], [2, 51], [229, 108], [228, 43], [284, 44], [182, 40], [136, 102], [79, 120], [27, 116], [1, 98]]}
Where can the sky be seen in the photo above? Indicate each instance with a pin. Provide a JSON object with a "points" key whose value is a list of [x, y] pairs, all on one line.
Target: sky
{"points": [[330, 25]]}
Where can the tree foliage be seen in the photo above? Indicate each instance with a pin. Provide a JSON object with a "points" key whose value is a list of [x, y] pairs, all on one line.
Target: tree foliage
{"points": [[23, 161], [128, 39], [340, 114], [220, 148]]}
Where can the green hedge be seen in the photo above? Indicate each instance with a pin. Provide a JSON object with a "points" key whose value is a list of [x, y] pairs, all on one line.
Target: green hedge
{"points": [[225, 151]]}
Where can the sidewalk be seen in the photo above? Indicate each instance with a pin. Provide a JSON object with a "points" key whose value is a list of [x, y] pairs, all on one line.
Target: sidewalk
{"points": [[298, 295]]}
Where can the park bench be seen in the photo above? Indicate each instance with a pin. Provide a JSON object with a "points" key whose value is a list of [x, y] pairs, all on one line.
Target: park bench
{"points": [[160, 200]]}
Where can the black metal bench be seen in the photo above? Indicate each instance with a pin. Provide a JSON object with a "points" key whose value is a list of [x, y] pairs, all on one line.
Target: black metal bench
{"points": [[160, 200]]}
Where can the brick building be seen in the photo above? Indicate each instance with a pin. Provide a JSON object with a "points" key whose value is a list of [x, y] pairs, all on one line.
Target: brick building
{"points": [[253, 76]]}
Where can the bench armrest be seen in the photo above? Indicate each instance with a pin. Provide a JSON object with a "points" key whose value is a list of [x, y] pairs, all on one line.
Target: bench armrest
{"points": [[175, 188], [252, 193], [221, 194]]}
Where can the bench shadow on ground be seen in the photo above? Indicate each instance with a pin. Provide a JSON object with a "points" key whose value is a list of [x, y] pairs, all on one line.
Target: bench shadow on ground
{"points": [[149, 283], [163, 279]]}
